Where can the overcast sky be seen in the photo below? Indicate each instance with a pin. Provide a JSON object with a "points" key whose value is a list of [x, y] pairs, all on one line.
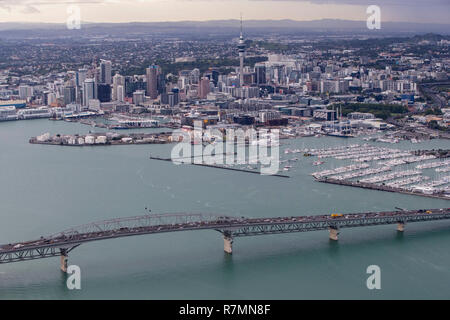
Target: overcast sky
{"points": [[174, 10]]}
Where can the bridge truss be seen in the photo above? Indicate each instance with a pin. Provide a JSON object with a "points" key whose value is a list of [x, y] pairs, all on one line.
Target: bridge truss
{"points": [[60, 244]]}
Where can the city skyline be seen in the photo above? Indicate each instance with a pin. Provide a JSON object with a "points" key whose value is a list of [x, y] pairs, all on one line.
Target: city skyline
{"points": [[120, 11]]}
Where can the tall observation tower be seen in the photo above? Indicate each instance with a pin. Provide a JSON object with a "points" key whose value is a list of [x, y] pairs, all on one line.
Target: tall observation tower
{"points": [[241, 47]]}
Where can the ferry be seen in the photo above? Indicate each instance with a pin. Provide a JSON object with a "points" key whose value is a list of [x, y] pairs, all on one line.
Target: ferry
{"points": [[340, 135]]}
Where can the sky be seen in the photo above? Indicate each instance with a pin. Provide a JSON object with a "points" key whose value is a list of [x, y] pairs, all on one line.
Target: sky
{"points": [[51, 11]]}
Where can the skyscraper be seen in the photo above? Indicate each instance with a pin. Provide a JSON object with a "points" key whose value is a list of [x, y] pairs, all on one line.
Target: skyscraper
{"points": [[118, 80], [260, 73], [81, 76], [241, 48], [69, 95], [104, 92], [89, 91], [152, 81], [204, 88], [120, 93], [105, 72]]}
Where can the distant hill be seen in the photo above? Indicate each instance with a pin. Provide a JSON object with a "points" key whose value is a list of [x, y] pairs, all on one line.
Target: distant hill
{"points": [[216, 27]]}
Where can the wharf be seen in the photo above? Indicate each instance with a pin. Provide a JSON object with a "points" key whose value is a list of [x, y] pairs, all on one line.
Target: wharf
{"points": [[373, 186], [219, 167]]}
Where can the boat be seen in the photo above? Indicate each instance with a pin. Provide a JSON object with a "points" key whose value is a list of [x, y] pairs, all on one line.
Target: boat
{"points": [[340, 135], [318, 162]]}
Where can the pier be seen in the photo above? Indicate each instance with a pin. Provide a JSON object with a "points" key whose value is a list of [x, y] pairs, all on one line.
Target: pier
{"points": [[217, 166], [373, 186], [102, 139], [62, 243]]}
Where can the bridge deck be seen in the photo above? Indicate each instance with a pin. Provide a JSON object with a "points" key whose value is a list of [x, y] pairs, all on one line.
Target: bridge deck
{"points": [[64, 242]]}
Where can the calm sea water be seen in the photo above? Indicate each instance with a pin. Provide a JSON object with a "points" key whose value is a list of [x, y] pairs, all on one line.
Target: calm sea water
{"points": [[46, 189]]}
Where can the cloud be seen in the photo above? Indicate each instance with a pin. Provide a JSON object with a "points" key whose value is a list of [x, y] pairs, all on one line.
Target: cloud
{"points": [[372, 2], [30, 10], [34, 3], [406, 3], [126, 10]]}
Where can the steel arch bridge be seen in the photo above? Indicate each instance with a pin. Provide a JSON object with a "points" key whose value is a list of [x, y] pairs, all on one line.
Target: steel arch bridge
{"points": [[62, 243]]}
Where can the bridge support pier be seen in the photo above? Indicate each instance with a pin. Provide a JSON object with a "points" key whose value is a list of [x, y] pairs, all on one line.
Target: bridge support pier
{"points": [[400, 227], [228, 244], [334, 232], [64, 259]]}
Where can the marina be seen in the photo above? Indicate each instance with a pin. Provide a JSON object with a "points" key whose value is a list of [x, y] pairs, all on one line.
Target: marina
{"points": [[112, 182], [373, 186], [404, 182], [393, 174]]}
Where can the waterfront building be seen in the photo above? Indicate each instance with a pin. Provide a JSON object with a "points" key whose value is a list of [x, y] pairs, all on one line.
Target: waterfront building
{"points": [[25, 92], [138, 97], [8, 113], [94, 104], [324, 115], [18, 104]]}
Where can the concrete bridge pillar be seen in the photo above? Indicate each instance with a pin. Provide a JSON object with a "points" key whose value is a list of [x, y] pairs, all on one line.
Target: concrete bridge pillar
{"points": [[228, 244], [64, 259], [401, 227], [334, 232]]}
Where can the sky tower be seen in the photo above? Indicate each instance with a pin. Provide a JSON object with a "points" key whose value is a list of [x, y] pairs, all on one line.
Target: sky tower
{"points": [[241, 47]]}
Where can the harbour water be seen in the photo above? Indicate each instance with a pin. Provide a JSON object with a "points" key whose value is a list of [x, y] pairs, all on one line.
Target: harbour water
{"points": [[46, 189]]}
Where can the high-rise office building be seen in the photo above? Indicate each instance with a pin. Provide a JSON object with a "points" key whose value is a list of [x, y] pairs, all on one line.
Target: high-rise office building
{"points": [[81, 76], [213, 75], [204, 88], [118, 80], [152, 81], [105, 72], [69, 95], [104, 92], [89, 91], [171, 98], [161, 83], [120, 94], [132, 85], [260, 74]]}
